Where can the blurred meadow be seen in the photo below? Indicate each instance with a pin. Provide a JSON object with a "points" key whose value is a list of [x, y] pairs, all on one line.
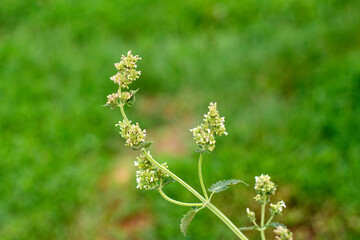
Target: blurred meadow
{"points": [[286, 74]]}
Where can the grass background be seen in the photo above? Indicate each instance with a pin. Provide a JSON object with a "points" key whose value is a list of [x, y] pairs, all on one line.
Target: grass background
{"points": [[286, 74]]}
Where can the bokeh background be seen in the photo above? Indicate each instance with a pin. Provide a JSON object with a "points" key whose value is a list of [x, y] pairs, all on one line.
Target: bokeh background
{"points": [[285, 73]]}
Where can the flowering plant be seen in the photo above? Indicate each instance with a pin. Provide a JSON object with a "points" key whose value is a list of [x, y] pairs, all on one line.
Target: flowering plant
{"points": [[151, 175]]}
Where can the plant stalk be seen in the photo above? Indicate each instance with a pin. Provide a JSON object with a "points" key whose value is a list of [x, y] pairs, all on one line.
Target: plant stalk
{"points": [[227, 221], [262, 229], [200, 176], [179, 180], [122, 108], [269, 221], [178, 202]]}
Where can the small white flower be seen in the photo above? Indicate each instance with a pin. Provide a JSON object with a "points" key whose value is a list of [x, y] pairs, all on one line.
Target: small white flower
{"points": [[276, 209]]}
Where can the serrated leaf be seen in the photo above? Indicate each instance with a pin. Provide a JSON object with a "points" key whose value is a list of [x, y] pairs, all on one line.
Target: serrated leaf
{"points": [[248, 228], [186, 220], [275, 225], [223, 185]]}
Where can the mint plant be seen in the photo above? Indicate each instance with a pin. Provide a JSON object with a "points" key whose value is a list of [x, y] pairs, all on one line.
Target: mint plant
{"points": [[152, 175]]}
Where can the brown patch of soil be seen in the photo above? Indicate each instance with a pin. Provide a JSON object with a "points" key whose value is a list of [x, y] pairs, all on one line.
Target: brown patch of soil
{"points": [[136, 222]]}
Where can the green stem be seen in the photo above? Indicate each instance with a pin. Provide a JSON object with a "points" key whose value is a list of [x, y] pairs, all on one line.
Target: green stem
{"points": [[269, 221], [179, 180], [255, 224], [211, 196], [200, 176], [178, 202], [262, 229], [121, 106], [228, 223]]}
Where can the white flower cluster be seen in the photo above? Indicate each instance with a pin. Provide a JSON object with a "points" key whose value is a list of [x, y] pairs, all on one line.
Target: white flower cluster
{"points": [[214, 122], [250, 215], [132, 133], [112, 100], [204, 134], [264, 188], [127, 70], [126, 75], [148, 175], [283, 233], [203, 137], [276, 209]]}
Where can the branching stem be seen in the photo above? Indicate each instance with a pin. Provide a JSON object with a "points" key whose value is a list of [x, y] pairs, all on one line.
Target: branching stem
{"points": [[178, 202], [206, 202]]}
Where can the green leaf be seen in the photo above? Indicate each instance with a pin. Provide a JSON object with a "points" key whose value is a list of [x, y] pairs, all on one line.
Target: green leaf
{"points": [[132, 99], [186, 220], [275, 225], [167, 181], [248, 228], [142, 145], [201, 150], [147, 144], [223, 185], [136, 147]]}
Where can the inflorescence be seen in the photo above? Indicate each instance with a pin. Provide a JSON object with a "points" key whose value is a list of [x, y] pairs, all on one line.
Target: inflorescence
{"points": [[127, 70], [148, 176], [132, 133], [264, 188], [283, 233], [151, 175], [204, 134]]}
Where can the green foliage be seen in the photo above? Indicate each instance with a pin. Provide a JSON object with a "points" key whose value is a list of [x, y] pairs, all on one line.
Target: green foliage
{"points": [[224, 185], [186, 220]]}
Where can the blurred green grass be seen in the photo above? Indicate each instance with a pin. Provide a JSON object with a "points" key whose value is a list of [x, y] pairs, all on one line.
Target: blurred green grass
{"points": [[286, 74]]}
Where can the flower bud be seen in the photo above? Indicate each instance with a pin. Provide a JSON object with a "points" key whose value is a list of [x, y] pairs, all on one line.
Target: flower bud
{"points": [[250, 215]]}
